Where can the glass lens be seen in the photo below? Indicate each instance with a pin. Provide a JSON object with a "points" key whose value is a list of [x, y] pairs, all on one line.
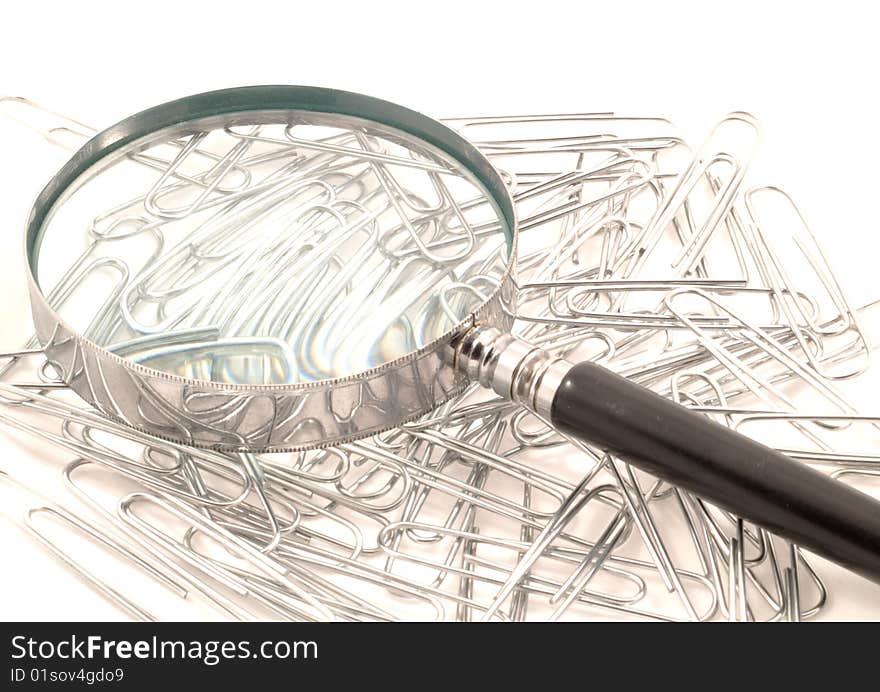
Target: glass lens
{"points": [[271, 248]]}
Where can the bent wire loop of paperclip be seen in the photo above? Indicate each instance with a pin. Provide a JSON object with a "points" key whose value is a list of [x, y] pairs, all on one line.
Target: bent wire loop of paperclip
{"points": [[317, 266]]}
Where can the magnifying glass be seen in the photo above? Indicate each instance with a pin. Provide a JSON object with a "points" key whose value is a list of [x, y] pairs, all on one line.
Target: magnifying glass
{"points": [[278, 268]]}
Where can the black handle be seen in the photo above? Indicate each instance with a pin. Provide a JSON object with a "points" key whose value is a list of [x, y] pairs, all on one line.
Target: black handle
{"points": [[722, 466]]}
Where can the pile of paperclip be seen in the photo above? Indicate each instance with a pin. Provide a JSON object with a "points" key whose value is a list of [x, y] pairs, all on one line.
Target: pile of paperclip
{"points": [[637, 252]]}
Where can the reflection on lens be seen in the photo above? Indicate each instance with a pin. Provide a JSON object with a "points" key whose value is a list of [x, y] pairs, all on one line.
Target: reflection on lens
{"points": [[271, 248]]}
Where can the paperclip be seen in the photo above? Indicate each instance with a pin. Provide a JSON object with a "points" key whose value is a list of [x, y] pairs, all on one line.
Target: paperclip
{"points": [[113, 595]]}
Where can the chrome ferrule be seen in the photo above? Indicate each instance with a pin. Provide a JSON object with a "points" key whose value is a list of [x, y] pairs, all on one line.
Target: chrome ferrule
{"points": [[511, 367]]}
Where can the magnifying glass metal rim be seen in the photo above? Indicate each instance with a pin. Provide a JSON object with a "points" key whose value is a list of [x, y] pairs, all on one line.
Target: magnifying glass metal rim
{"points": [[264, 417]]}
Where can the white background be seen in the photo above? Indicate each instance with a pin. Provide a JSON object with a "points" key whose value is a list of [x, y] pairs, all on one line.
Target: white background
{"points": [[807, 71]]}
